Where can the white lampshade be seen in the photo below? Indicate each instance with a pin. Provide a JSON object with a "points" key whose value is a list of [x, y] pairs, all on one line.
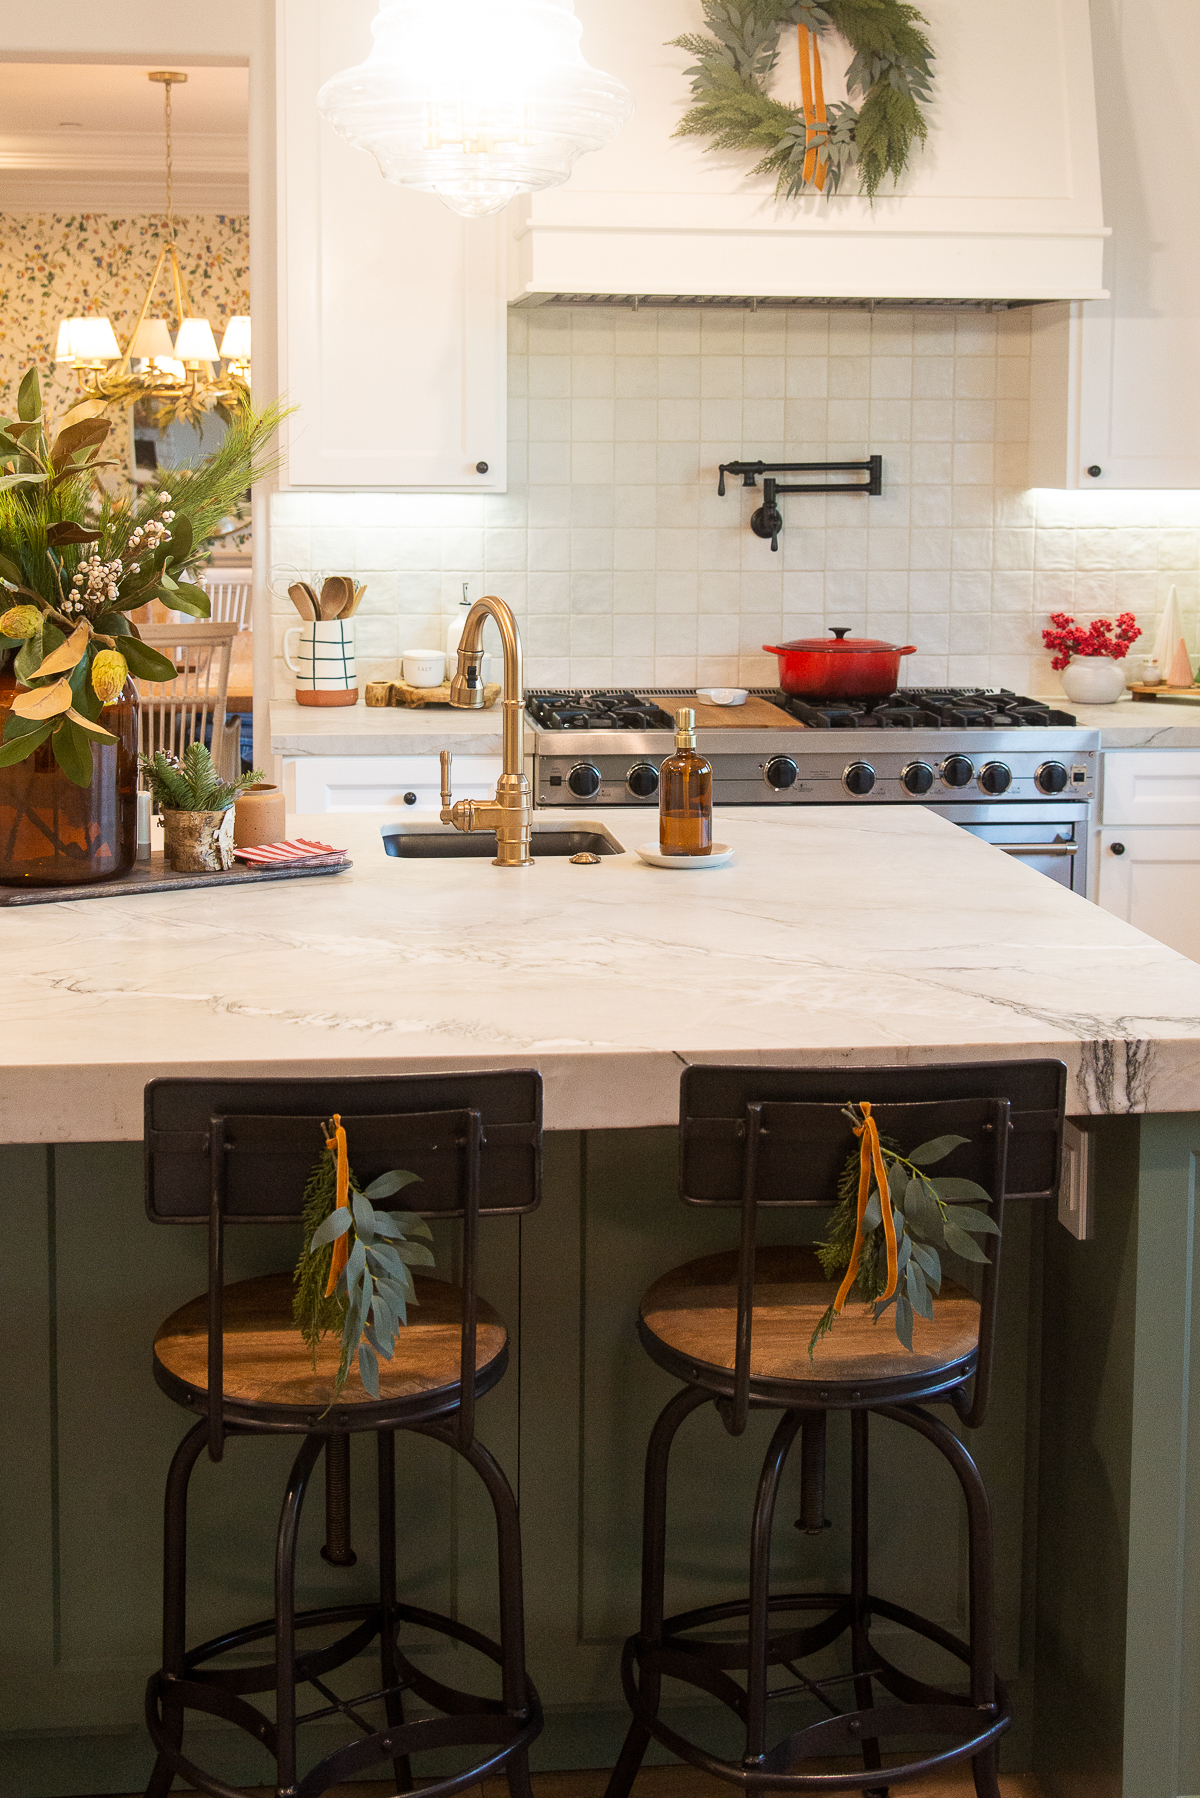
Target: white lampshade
{"points": [[152, 338], [194, 341], [169, 365], [92, 340], [235, 345], [506, 108], [63, 350]]}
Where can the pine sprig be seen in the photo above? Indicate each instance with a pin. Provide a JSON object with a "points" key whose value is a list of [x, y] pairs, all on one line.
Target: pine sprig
{"points": [[192, 784]]}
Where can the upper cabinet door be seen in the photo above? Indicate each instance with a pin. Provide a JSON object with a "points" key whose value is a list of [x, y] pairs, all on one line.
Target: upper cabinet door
{"points": [[392, 312], [1117, 381]]}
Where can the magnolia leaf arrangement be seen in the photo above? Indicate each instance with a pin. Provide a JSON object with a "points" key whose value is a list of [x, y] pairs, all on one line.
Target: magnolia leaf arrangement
{"points": [[892, 1224], [75, 561], [810, 148], [353, 1268], [191, 783]]}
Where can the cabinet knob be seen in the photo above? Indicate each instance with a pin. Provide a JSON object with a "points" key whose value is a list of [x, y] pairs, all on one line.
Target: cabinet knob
{"points": [[1095, 471], [482, 468], [1117, 848], [410, 799]]}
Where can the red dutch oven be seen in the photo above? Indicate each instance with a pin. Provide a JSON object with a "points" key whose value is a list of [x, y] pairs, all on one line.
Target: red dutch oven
{"points": [[814, 669]]}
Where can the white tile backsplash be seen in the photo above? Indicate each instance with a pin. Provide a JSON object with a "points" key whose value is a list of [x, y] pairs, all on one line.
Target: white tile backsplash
{"points": [[623, 564]]}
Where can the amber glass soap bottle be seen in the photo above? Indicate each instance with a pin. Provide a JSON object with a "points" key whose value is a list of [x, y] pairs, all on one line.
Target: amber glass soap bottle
{"points": [[685, 794]]}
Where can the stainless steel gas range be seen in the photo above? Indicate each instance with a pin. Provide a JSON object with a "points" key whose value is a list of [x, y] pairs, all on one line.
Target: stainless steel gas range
{"points": [[1020, 774]]}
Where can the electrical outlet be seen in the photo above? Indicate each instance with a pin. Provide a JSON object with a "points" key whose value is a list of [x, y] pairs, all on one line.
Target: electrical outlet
{"points": [[1075, 1188]]}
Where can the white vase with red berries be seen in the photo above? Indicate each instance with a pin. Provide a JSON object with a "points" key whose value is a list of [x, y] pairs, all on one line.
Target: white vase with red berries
{"points": [[1089, 658]]}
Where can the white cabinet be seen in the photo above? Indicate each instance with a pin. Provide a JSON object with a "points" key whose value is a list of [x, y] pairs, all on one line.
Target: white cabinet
{"points": [[1117, 382], [1148, 861], [372, 783], [392, 315], [1003, 202]]}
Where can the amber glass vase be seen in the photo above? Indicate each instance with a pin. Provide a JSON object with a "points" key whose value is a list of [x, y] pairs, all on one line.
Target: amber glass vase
{"points": [[53, 833]]}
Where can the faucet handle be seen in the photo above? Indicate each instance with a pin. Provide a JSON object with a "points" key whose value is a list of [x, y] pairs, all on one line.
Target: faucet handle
{"points": [[446, 759]]}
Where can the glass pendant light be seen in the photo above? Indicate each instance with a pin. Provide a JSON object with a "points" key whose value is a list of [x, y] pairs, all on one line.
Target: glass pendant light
{"points": [[503, 103]]}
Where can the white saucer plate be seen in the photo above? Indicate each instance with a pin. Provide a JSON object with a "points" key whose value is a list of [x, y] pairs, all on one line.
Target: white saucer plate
{"points": [[720, 857], [722, 695]]}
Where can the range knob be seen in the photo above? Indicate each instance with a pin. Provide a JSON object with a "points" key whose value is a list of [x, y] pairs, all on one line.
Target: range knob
{"points": [[958, 771], [642, 780], [780, 772], [584, 780], [995, 778], [917, 777], [859, 778], [1052, 777]]}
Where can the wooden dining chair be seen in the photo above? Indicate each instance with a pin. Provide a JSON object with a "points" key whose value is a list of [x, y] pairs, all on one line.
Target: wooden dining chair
{"points": [[229, 602], [192, 707]]}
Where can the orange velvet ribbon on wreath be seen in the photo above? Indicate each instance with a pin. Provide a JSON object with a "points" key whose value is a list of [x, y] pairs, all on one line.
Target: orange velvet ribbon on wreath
{"points": [[870, 1155], [812, 92], [341, 1248]]}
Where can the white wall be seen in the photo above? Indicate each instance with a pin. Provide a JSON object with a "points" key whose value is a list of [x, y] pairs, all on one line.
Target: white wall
{"points": [[622, 564]]}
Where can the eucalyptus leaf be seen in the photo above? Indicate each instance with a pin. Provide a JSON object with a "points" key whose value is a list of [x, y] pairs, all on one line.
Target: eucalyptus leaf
{"points": [[412, 1223], [951, 1188], [921, 1211], [904, 1249], [415, 1254], [918, 1291], [930, 1263], [873, 1215], [904, 1321], [963, 1245], [977, 1222], [393, 1181], [368, 1368], [356, 1266], [335, 1225], [936, 1150], [364, 1214]]}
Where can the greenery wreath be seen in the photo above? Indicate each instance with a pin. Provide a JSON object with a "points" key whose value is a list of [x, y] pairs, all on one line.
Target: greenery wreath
{"points": [[810, 147]]}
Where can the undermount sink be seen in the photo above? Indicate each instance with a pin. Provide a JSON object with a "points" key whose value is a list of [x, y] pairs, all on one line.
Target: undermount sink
{"points": [[413, 843]]}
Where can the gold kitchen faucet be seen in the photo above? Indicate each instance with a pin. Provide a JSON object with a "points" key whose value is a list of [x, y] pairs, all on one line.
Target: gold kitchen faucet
{"points": [[510, 813]]}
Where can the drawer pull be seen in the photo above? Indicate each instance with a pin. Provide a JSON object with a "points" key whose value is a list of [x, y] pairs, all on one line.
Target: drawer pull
{"points": [[1039, 848]]}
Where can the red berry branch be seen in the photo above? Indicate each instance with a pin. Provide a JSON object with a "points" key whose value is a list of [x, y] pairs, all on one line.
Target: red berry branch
{"points": [[1069, 639]]}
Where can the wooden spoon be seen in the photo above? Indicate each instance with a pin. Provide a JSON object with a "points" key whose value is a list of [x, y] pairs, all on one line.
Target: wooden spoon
{"points": [[300, 594], [353, 602], [333, 596]]}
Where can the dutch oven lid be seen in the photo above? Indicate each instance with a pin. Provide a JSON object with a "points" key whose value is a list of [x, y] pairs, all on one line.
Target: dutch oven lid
{"points": [[860, 645]]}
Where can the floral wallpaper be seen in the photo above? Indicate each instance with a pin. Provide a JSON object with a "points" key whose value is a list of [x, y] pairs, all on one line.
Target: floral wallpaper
{"points": [[54, 265]]}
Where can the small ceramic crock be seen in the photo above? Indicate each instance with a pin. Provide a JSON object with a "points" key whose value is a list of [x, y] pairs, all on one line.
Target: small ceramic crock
{"points": [[1094, 680], [259, 816]]}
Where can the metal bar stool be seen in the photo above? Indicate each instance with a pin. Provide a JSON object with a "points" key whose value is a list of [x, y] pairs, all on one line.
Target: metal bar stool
{"points": [[735, 1328], [226, 1152]]}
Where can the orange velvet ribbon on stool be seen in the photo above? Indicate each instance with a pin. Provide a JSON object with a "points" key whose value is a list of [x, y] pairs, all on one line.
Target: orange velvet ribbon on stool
{"points": [[870, 1155], [341, 1248], [812, 91]]}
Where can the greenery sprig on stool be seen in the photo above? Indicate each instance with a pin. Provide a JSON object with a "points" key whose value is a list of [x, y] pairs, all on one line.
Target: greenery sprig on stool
{"points": [[809, 148], [892, 1224], [353, 1267], [192, 784]]}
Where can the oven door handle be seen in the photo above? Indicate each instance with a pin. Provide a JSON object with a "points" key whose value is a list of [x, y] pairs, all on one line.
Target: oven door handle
{"points": [[1038, 848]]}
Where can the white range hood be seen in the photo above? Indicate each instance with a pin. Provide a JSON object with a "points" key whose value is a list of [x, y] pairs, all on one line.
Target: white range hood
{"points": [[1003, 204]]}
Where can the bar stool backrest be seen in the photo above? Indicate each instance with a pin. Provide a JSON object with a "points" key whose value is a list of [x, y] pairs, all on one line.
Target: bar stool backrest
{"points": [[776, 1137], [239, 1152]]}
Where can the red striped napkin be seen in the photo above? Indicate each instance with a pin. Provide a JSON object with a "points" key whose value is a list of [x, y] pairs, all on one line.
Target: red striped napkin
{"points": [[299, 849]]}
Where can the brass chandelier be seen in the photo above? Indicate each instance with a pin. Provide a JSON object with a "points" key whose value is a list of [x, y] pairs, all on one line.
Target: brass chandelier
{"points": [[178, 379]]}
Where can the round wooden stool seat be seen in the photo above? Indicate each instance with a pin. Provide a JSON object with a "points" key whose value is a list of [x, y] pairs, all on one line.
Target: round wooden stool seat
{"points": [[688, 1319], [268, 1364]]}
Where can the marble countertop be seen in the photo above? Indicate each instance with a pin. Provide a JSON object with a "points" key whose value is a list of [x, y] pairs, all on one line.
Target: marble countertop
{"points": [[361, 729], [1138, 723], [835, 938]]}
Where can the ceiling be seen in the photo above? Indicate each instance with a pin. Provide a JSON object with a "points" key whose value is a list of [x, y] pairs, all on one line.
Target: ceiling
{"points": [[89, 136]]}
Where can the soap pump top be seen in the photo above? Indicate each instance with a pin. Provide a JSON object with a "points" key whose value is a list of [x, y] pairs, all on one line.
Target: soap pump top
{"points": [[685, 728], [454, 627]]}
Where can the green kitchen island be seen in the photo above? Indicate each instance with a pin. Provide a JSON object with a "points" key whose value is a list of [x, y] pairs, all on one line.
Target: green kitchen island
{"points": [[833, 939]]}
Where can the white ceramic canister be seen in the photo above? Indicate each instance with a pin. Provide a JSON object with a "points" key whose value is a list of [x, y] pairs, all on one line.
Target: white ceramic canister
{"points": [[1094, 680], [1140, 669], [423, 667], [324, 664]]}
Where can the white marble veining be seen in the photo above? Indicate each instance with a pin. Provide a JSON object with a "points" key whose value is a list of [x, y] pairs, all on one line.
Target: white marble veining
{"points": [[1140, 723], [299, 730], [834, 938]]}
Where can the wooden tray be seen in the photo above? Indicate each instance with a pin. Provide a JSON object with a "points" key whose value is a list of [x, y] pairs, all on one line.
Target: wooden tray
{"points": [[155, 877], [398, 692], [1162, 691], [756, 714]]}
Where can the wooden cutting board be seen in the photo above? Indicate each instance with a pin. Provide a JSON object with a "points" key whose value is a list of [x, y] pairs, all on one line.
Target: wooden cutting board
{"points": [[1190, 695], [399, 693], [756, 714]]}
